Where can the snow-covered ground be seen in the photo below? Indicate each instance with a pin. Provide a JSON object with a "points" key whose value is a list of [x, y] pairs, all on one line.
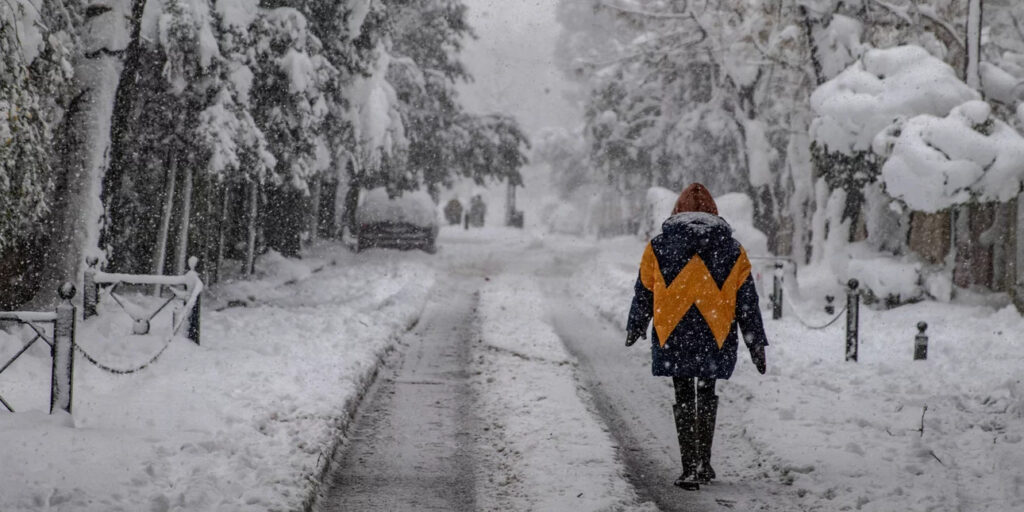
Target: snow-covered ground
{"points": [[547, 450], [242, 422], [885, 433], [248, 419]]}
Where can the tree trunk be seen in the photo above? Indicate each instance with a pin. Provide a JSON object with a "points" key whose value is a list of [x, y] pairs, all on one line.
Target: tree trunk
{"points": [[250, 250], [225, 208], [165, 221], [351, 203], [186, 211], [81, 142], [961, 246], [971, 67], [118, 207], [313, 221]]}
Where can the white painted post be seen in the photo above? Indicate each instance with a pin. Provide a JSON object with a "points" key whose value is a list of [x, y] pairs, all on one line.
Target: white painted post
{"points": [[90, 290], [63, 351]]}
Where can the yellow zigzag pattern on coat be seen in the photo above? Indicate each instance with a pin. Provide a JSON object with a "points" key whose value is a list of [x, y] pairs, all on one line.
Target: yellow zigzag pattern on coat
{"points": [[693, 286]]}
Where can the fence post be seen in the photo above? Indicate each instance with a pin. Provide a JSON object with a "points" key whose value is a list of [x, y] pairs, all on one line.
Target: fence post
{"points": [[921, 342], [63, 351], [193, 316], [90, 291], [777, 292], [852, 319]]}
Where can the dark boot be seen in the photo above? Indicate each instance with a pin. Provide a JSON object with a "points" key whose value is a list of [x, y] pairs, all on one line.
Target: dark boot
{"points": [[685, 422], [707, 412]]}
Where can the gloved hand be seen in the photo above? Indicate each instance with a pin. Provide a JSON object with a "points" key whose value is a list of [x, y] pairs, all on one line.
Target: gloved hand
{"points": [[757, 355], [632, 337]]}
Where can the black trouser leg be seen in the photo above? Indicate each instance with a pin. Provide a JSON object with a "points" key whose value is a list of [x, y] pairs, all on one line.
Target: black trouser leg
{"points": [[685, 410], [706, 416]]}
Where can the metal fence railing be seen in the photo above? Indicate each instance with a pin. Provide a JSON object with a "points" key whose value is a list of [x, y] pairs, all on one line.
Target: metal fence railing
{"points": [[61, 342], [186, 288]]}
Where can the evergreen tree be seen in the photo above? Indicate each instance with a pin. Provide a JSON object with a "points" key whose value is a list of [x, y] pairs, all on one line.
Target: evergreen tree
{"points": [[38, 43]]}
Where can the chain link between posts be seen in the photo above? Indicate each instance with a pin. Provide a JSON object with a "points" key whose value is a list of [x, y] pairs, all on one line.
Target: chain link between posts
{"points": [[190, 303], [806, 324], [124, 371]]}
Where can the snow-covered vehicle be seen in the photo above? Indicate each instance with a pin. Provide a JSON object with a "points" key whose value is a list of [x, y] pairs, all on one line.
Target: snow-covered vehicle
{"points": [[408, 221]]}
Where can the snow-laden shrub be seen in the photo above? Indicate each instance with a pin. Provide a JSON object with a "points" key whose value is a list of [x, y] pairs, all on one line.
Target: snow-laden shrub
{"points": [[738, 210], [658, 206], [889, 280], [884, 84], [937, 162]]}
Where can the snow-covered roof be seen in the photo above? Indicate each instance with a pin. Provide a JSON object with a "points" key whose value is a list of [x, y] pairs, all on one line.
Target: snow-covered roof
{"points": [[937, 162], [882, 86]]}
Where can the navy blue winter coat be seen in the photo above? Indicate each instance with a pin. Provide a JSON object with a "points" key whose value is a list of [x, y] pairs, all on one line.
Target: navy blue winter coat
{"points": [[695, 284]]}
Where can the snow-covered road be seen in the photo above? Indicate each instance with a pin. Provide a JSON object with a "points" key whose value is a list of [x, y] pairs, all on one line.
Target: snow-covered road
{"points": [[410, 448], [478, 408]]}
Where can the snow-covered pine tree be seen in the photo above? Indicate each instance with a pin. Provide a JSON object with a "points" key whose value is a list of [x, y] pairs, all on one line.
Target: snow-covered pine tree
{"points": [[37, 45], [352, 34], [291, 108], [152, 149]]}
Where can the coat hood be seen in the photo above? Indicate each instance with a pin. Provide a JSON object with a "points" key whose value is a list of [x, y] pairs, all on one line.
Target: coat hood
{"points": [[696, 229], [695, 198]]}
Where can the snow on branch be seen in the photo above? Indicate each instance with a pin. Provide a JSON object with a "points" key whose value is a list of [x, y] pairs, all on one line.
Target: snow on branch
{"points": [[883, 85], [937, 162], [636, 11]]}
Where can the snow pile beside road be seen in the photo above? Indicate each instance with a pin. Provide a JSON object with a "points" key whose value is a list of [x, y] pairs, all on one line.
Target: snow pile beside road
{"points": [[886, 433], [543, 450], [601, 284], [238, 423]]}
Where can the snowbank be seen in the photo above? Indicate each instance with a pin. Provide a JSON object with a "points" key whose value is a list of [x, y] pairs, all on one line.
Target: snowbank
{"points": [[240, 422], [738, 210], [937, 162], [883, 85], [659, 204]]}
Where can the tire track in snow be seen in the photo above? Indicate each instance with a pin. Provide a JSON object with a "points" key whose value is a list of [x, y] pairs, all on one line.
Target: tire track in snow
{"points": [[411, 444]]}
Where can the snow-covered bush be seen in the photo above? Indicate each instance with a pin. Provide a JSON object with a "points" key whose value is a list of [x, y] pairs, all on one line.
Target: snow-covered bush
{"points": [[658, 206], [882, 85], [891, 281], [937, 162], [738, 210]]}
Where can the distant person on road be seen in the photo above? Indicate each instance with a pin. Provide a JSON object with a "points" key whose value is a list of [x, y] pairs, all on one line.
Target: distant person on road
{"points": [[695, 284]]}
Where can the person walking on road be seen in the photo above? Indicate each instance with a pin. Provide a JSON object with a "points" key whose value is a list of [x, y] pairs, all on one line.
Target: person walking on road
{"points": [[695, 285]]}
